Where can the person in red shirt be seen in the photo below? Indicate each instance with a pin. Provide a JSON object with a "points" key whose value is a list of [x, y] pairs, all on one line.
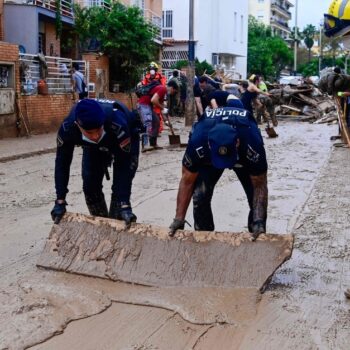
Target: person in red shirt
{"points": [[148, 106]]}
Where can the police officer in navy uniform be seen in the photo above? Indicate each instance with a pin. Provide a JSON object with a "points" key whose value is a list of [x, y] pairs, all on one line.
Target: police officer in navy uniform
{"points": [[223, 138], [108, 133]]}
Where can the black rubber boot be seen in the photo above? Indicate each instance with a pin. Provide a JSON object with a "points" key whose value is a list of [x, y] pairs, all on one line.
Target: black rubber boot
{"points": [[97, 205], [114, 209], [153, 141]]}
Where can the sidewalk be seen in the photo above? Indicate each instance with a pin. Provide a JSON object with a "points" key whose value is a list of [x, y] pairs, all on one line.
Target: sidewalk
{"points": [[24, 147]]}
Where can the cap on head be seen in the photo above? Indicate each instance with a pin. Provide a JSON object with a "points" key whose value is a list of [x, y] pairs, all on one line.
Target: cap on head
{"points": [[89, 114], [222, 140], [233, 101]]}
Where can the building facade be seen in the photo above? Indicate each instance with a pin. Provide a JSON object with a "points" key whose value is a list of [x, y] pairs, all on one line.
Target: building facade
{"points": [[31, 24], [274, 13], [220, 33]]}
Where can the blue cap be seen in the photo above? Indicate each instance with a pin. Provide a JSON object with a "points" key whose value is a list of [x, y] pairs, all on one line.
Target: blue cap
{"points": [[89, 114], [235, 103], [222, 142]]}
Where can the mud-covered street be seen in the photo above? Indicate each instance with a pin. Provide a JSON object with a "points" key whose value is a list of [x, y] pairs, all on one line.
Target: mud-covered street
{"points": [[304, 306]]}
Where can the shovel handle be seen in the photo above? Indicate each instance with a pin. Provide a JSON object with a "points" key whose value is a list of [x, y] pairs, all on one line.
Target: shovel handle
{"points": [[170, 125]]}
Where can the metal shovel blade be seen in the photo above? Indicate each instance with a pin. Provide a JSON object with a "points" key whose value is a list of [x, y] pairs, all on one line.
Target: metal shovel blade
{"points": [[174, 139]]}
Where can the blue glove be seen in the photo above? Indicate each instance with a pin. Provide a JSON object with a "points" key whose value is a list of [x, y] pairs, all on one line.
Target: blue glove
{"points": [[58, 211]]}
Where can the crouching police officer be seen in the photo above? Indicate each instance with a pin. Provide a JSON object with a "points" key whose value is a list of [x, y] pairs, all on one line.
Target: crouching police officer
{"points": [[108, 132], [223, 138]]}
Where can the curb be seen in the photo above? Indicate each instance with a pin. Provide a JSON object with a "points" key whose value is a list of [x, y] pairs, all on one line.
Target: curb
{"points": [[27, 155]]}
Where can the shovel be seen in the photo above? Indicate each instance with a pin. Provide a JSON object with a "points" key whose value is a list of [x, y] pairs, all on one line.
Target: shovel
{"points": [[173, 139]]}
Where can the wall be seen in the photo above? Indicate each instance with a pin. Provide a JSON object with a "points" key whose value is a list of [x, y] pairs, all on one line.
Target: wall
{"points": [[50, 37], [21, 26], [98, 73], [215, 30], [1, 20], [44, 113], [257, 9], [9, 53]]}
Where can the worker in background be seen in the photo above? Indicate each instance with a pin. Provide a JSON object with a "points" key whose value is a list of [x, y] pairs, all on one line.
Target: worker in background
{"points": [[108, 133], [224, 138], [153, 74], [201, 92], [267, 110], [148, 106], [249, 96], [346, 103]]}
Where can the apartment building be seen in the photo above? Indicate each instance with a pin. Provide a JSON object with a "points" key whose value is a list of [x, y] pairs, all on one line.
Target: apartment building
{"points": [[220, 33], [274, 13], [31, 24]]}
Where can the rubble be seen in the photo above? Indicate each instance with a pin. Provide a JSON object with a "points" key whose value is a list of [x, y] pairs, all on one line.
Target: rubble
{"points": [[306, 102]]}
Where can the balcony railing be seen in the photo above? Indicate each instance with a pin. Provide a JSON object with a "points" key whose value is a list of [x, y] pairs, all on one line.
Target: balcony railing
{"points": [[280, 23], [66, 5], [58, 77], [99, 3], [277, 7], [156, 20]]}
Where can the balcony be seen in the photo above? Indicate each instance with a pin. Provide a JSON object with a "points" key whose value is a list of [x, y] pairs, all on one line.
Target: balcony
{"points": [[66, 5], [106, 4], [280, 24], [281, 10], [152, 18]]}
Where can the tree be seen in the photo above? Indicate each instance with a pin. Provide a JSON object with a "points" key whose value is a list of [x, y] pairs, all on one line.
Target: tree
{"points": [[309, 34], [267, 54], [200, 67], [122, 33], [298, 38]]}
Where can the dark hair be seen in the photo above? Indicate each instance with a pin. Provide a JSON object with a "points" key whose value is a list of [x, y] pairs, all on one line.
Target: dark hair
{"points": [[175, 73], [173, 84], [245, 84], [203, 79], [337, 70], [75, 65]]}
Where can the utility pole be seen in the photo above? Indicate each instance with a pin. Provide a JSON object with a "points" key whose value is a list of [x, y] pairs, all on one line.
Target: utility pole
{"points": [[295, 38], [190, 105], [320, 49]]}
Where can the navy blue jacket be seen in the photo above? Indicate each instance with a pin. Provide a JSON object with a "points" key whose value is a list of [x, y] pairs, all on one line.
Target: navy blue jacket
{"points": [[251, 152], [120, 142]]}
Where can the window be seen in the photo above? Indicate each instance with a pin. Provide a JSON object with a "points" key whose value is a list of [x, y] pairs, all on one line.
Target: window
{"points": [[215, 59], [242, 29], [260, 1], [167, 24], [41, 43]]}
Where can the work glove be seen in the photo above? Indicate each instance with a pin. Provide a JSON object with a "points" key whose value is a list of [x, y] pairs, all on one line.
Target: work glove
{"points": [[257, 227], [127, 216], [58, 211]]}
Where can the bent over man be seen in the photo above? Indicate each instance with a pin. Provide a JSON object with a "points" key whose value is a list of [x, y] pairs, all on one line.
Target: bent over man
{"points": [[108, 132], [224, 138]]}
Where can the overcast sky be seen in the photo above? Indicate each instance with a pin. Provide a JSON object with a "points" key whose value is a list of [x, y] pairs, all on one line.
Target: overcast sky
{"points": [[309, 12]]}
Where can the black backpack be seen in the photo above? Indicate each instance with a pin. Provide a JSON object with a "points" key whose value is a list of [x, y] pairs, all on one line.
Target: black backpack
{"points": [[144, 90]]}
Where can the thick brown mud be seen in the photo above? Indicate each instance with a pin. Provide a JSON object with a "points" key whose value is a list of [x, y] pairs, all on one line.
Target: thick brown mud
{"points": [[304, 307]]}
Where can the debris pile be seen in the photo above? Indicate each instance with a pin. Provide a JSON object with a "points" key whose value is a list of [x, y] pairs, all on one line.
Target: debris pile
{"points": [[305, 101]]}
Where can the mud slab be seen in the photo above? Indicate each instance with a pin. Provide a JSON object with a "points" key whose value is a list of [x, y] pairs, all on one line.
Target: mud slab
{"points": [[146, 255]]}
